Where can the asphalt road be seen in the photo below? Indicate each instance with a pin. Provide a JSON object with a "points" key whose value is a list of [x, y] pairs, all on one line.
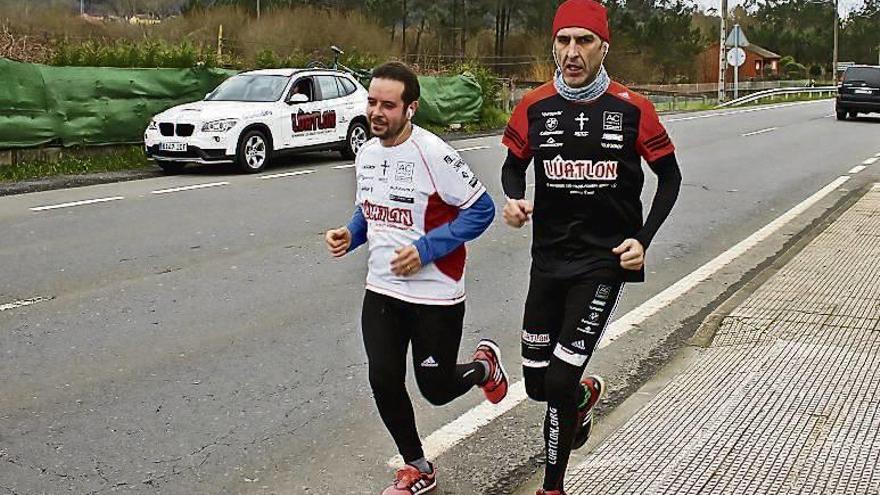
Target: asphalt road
{"points": [[202, 341]]}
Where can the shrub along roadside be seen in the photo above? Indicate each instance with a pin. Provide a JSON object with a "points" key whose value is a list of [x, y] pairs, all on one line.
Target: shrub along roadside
{"points": [[77, 162], [147, 53]]}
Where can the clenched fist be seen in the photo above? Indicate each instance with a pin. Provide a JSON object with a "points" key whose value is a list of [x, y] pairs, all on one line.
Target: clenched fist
{"points": [[407, 262], [632, 254], [338, 241], [517, 212]]}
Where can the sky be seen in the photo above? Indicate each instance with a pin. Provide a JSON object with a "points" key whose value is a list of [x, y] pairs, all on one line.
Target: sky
{"points": [[845, 6]]}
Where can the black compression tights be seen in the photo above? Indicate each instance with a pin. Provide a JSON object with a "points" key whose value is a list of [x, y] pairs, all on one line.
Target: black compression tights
{"points": [[389, 325], [563, 323]]}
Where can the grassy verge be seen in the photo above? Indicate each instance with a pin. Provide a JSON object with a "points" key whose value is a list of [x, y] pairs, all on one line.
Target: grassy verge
{"points": [[491, 119], [77, 163]]}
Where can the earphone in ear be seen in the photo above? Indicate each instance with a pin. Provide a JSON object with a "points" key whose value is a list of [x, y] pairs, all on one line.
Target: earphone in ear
{"points": [[409, 113]]}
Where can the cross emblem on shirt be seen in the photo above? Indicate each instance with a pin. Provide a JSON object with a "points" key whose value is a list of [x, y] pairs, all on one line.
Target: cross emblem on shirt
{"points": [[384, 167], [582, 120]]}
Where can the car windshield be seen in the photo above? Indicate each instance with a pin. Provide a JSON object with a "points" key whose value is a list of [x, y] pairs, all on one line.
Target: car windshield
{"points": [[247, 87], [868, 75]]}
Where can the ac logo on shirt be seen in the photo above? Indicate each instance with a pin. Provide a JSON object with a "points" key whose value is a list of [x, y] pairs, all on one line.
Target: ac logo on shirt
{"points": [[613, 121], [404, 171]]}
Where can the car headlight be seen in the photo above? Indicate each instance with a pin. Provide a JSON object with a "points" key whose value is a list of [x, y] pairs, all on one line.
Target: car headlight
{"points": [[222, 125], [153, 126]]}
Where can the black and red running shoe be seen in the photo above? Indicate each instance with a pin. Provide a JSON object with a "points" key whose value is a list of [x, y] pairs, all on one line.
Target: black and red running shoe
{"points": [[410, 481], [495, 386], [594, 389]]}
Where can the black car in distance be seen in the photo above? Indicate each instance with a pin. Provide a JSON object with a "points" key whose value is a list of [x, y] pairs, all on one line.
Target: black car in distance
{"points": [[859, 91]]}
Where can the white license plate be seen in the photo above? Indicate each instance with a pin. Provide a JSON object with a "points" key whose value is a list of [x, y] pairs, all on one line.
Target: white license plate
{"points": [[172, 146], [864, 92]]}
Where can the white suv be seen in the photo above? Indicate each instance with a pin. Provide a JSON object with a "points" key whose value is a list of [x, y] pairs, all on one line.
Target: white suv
{"points": [[255, 115]]}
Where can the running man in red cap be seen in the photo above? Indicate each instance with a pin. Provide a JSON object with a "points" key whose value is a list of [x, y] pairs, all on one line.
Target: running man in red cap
{"points": [[587, 136]]}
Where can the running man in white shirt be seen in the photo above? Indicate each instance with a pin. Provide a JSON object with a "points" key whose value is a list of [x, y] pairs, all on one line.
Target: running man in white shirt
{"points": [[417, 204]]}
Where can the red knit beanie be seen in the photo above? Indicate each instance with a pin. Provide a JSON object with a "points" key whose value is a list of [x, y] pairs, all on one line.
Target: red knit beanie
{"points": [[587, 14]]}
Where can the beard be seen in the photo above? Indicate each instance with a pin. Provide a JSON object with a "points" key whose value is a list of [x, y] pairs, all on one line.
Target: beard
{"points": [[386, 129]]}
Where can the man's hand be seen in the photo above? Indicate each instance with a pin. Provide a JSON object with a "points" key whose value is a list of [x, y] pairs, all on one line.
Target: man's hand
{"points": [[517, 212], [407, 262], [632, 254], [338, 241]]}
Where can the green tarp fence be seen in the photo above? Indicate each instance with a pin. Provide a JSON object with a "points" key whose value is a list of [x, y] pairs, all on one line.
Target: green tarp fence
{"points": [[71, 106], [449, 100]]}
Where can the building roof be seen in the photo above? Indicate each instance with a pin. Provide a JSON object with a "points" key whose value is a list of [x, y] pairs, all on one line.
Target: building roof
{"points": [[761, 52]]}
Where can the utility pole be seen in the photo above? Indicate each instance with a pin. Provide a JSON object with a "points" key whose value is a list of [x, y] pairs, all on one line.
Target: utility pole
{"points": [[736, 69], [463, 28], [258, 10], [834, 68], [220, 46], [404, 29], [82, 8], [722, 56]]}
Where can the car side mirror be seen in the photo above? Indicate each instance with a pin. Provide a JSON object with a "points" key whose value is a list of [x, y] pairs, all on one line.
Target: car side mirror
{"points": [[297, 98]]}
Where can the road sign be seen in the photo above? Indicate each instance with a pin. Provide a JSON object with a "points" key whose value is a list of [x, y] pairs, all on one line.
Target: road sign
{"points": [[736, 37], [736, 57]]}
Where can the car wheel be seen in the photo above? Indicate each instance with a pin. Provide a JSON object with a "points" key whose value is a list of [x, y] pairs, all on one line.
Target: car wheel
{"points": [[171, 167], [841, 115], [853, 115], [357, 136], [253, 152]]}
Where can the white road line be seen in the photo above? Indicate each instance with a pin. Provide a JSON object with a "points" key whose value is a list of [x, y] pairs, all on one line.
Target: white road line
{"points": [[481, 415], [76, 203], [737, 112], [472, 148], [877, 155], [870, 161], [22, 303], [467, 424], [340, 167], [856, 169], [190, 188], [287, 174], [676, 290], [762, 131]]}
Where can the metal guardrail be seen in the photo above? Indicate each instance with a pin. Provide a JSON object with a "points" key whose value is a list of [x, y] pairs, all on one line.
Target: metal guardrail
{"points": [[770, 93], [712, 88]]}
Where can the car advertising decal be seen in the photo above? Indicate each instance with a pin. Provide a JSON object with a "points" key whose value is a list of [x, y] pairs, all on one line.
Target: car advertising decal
{"points": [[313, 121]]}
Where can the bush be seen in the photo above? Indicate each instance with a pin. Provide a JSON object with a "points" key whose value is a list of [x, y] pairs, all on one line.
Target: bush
{"points": [[266, 59], [149, 53], [487, 80]]}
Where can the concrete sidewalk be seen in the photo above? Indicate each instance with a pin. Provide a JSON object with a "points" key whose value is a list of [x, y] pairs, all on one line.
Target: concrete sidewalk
{"points": [[784, 399]]}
